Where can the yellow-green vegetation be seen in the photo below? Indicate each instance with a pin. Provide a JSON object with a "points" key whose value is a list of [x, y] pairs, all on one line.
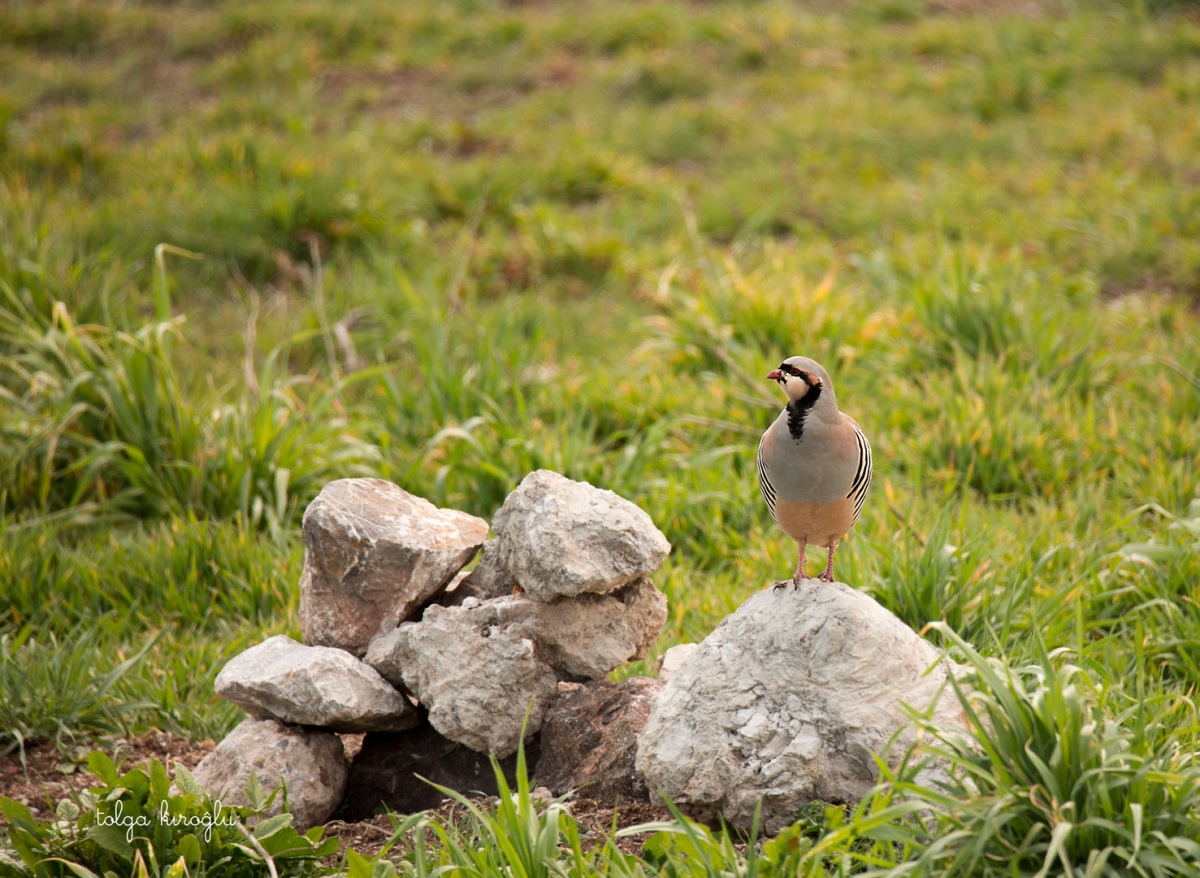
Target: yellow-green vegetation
{"points": [[447, 243]]}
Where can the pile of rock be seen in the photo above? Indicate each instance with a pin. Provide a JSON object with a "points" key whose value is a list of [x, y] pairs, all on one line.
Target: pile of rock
{"points": [[788, 701], [438, 668]]}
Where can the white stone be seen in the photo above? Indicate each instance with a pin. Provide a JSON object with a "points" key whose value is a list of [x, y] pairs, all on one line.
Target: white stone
{"points": [[785, 702], [311, 763], [479, 679], [585, 638], [558, 537], [581, 638], [313, 686], [672, 660]]}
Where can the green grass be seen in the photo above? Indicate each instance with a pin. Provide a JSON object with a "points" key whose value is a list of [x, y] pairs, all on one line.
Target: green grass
{"points": [[449, 243], [116, 828]]}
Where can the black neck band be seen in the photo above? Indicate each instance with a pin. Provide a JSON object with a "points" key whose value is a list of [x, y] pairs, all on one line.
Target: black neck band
{"points": [[798, 411]]}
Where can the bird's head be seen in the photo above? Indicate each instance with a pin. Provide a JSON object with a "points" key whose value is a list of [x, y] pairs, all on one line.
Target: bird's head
{"points": [[801, 377]]}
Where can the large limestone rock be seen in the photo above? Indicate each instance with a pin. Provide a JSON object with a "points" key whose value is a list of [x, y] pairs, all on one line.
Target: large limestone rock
{"points": [[589, 740], [313, 686], [312, 765], [784, 703], [477, 676], [558, 537], [397, 769], [374, 554]]}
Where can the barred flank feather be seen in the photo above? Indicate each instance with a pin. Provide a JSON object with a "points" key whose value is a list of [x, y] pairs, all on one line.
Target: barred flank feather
{"points": [[862, 476], [764, 482]]}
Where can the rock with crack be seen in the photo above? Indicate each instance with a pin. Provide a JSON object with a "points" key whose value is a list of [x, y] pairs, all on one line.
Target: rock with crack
{"points": [[479, 678], [585, 638], [313, 686], [785, 702], [397, 769], [589, 740], [580, 638], [311, 763], [373, 555], [557, 537]]}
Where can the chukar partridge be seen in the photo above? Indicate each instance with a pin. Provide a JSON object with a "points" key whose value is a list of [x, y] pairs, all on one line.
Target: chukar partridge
{"points": [[814, 463]]}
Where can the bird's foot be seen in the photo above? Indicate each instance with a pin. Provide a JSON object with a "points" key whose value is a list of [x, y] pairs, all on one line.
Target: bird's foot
{"points": [[827, 575]]}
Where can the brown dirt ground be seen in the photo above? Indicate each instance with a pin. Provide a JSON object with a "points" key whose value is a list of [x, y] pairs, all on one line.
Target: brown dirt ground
{"points": [[48, 776]]}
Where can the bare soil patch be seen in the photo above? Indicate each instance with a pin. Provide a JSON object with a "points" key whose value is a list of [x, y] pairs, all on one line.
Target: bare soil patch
{"points": [[48, 777]]}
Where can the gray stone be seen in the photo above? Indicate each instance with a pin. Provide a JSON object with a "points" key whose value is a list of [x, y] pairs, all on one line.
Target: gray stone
{"points": [[581, 638], [313, 686], [397, 769], [557, 537], [311, 764], [589, 740], [478, 678], [585, 638], [374, 554], [785, 702]]}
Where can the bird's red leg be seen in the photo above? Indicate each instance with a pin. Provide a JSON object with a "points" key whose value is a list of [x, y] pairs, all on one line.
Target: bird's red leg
{"points": [[799, 574], [827, 576]]}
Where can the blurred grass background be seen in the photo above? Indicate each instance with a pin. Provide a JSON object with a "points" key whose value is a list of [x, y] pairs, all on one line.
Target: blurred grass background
{"points": [[447, 243]]}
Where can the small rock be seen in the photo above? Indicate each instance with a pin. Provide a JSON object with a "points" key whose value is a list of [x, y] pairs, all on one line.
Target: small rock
{"points": [[672, 660], [311, 763], [585, 638], [390, 767], [313, 686], [373, 555], [589, 740], [479, 679], [785, 702], [557, 537]]}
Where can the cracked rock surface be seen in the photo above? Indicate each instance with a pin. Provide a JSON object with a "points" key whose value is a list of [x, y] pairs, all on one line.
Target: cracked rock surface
{"points": [[457, 657], [311, 763], [477, 675], [785, 702], [313, 686], [373, 555], [556, 537]]}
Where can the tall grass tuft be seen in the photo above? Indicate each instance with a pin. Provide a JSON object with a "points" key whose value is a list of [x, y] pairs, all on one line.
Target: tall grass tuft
{"points": [[521, 837], [57, 688], [1060, 775], [100, 426]]}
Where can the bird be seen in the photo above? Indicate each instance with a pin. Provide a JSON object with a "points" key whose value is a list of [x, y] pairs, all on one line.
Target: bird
{"points": [[814, 463]]}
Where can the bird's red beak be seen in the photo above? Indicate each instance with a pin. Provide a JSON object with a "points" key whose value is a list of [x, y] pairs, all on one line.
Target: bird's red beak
{"points": [[774, 375]]}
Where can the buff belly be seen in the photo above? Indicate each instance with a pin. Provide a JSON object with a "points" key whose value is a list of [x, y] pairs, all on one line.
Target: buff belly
{"points": [[819, 524]]}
